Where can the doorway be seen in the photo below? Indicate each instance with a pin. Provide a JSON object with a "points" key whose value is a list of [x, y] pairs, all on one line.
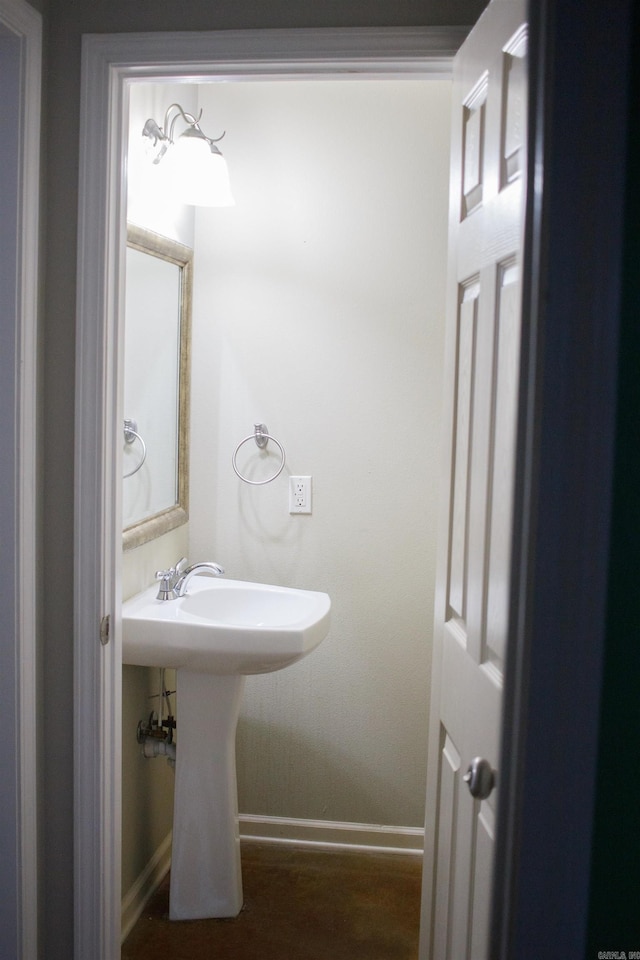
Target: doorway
{"points": [[318, 306], [98, 586]]}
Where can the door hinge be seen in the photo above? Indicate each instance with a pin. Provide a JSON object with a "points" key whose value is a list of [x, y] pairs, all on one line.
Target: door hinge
{"points": [[105, 624]]}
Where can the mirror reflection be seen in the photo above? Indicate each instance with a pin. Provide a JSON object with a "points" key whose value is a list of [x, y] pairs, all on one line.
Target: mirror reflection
{"points": [[156, 385]]}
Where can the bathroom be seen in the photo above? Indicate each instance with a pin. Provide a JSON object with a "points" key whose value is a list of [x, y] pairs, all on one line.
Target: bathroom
{"points": [[318, 309]]}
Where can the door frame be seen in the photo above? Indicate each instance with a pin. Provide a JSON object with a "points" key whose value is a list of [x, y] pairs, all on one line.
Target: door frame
{"points": [[21, 30], [109, 64]]}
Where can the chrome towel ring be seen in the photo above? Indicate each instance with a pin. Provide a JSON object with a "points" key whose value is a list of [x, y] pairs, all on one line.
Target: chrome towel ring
{"points": [[261, 436], [130, 436]]}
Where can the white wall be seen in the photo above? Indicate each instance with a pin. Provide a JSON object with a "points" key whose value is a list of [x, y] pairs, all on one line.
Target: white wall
{"points": [[318, 309]]}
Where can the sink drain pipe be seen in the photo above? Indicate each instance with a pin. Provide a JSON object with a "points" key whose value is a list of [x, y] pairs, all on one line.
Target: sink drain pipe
{"points": [[152, 747]]}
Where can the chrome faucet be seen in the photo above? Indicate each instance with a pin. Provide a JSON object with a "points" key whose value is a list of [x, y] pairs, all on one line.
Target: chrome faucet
{"points": [[174, 581], [206, 566]]}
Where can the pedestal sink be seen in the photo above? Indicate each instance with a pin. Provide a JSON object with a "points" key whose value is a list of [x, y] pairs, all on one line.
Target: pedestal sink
{"points": [[217, 633]]}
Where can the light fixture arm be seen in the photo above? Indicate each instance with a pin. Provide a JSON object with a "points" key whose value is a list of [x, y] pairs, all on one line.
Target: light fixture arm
{"points": [[164, 134], [190, 120]]}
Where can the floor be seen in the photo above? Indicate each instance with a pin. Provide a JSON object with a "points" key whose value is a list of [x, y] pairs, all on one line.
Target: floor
{"points": [[300, 904]]}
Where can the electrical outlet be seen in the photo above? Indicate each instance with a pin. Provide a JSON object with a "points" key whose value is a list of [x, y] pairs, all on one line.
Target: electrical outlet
{"points": [[299, 494]]}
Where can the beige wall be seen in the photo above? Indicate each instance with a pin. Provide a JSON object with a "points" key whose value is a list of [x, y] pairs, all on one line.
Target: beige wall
{"points": [[318, 309]]}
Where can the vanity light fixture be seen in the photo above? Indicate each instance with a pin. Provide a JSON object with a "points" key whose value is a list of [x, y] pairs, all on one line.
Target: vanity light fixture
{"points": [[195, 165]]}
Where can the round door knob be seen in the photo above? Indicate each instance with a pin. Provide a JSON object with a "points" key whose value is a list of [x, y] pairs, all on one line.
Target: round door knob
{"points": [[480, 778]]}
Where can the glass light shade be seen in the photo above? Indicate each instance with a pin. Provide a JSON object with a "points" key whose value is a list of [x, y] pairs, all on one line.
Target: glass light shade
{"points": [[199, 172]]}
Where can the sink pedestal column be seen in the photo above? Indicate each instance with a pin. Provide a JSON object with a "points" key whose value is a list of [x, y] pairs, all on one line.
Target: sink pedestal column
{"points": [[206, 879]]}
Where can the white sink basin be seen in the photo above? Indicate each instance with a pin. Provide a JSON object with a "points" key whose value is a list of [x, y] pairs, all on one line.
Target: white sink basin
{"points": [[224, 627]]}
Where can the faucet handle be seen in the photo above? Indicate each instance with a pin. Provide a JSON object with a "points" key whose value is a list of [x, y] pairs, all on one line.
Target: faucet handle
{"points": [[167, 580], [181, 566]]}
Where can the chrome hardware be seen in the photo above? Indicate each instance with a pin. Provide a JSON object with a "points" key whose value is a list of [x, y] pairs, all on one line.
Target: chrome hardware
{"points": [[173, 582], [213, 569], [480, 778], [261, 436], [169, 578]]}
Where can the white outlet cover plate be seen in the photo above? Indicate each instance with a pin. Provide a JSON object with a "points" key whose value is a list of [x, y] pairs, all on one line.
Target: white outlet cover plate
{"points": [[299, 494]]}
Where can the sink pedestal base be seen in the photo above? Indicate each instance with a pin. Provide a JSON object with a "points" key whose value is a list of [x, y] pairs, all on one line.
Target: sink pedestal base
{"points": [[206, 878]]}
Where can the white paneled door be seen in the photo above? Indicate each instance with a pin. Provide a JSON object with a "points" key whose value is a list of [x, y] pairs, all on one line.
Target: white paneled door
{"points": [[482, 373]]}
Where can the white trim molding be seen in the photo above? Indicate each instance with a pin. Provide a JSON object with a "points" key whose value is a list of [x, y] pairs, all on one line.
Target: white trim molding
{"points": [[20, 69], [144, 886], [328, 834], [110, 63]]}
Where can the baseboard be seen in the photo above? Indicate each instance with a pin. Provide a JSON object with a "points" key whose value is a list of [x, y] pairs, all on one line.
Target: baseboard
{"points": [[329, 833], [133, 902], [314, 833]]}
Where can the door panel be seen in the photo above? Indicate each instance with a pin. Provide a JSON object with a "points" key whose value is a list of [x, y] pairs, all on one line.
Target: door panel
{"points": [[482, 375], [480, 896], [465, 368], [473, 131], [448, 805], [507, 350], [515, 106]]}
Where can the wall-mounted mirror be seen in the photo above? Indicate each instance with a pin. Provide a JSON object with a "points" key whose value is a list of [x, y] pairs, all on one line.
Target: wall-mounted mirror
{"points": [[156, 386]]}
